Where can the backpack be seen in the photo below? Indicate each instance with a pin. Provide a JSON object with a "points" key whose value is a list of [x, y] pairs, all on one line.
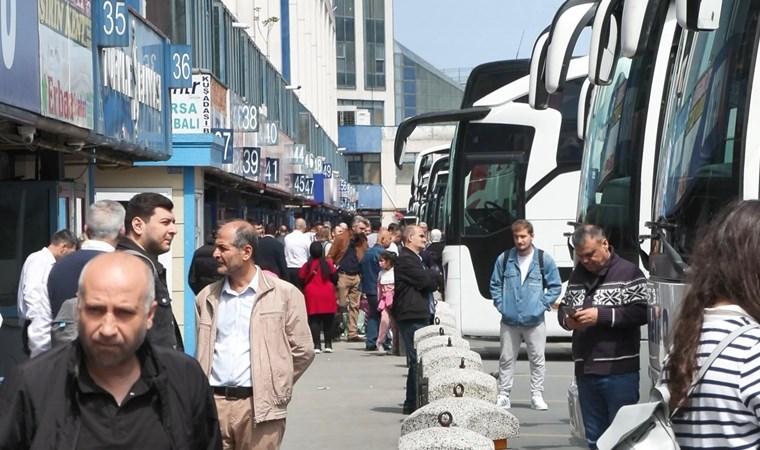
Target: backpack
{"points": [[540, 264], [64, 328], [648, 425]]}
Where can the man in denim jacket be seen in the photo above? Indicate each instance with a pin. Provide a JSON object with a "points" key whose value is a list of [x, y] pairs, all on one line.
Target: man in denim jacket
{"points": [[523, 287]]}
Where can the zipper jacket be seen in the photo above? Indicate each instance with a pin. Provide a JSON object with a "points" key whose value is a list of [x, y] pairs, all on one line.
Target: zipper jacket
{"points": [[281, 344]]}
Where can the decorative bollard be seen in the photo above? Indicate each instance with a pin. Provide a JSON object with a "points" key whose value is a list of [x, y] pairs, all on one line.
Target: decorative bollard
{"points": [[445, 437], [435, 330], [478, 384], [439, 342], [484, 418], [440, 359]]}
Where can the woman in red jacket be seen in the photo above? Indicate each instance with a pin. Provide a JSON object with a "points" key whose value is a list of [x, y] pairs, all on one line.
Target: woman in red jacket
{"points": [[319, 276]]}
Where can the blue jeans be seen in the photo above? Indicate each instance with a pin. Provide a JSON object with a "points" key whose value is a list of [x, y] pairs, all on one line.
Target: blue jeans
{"points": [[601, 396], [407, 328], [372, 324]]}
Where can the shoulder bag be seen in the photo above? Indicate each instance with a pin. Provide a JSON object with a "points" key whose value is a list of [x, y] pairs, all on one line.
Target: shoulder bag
{"points": [[648, 425]]}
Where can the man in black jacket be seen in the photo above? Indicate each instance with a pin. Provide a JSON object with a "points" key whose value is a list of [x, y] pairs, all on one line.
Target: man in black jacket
{"points": [[203, 267], [110, 388], [150, 229], [415, 285], [606, 299], [270, 254]]}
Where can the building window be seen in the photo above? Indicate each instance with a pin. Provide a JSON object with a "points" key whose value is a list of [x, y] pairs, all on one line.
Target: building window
{"points": [[345, 38], [375, 109], [374, 44], [364, 168]]}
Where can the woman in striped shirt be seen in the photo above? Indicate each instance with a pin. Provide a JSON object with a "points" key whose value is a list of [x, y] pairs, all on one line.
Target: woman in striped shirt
{"points": [[724, 294]]}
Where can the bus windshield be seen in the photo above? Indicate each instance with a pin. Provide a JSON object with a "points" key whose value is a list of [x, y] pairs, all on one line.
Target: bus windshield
{"points": [[493, 176], [701, 151]]}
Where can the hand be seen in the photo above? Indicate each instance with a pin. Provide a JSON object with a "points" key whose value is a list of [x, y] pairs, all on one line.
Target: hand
{"points": [[586, 317], [573, 324]]}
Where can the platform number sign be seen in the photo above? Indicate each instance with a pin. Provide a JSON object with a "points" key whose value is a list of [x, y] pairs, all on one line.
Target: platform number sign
{"points": [[272, 172], [298, 153], [327, 170], [113, 27], [343, 185], [250, 160], [181, 66], [303, 185], [226, 134]]}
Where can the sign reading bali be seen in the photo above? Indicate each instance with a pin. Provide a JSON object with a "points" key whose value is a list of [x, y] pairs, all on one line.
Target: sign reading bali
{"points": [[133, 106]]}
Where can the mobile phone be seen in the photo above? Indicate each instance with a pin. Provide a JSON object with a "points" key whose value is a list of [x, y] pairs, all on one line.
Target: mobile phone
{"points": [[569, 310]]}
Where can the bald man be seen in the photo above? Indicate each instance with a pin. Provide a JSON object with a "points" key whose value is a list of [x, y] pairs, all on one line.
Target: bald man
{"points": [[110, 388], [297, 252]]}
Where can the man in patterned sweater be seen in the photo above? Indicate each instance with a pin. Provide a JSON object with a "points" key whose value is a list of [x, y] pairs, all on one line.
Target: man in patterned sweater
{"points": [[609, 297]]}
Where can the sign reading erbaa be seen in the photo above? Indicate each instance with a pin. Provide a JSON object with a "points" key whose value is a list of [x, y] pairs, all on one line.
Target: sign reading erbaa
{"points": [[66, 81], [133, 68]]}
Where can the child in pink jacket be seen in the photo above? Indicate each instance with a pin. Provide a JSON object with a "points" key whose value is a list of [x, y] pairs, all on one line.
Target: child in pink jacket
{"points": [[385, 287]]}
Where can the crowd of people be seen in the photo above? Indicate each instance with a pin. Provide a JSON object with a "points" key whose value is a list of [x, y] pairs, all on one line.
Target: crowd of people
{"points": [[268, 300], [107, 367]]}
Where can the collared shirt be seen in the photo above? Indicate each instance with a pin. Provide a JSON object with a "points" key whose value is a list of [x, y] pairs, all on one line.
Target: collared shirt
{"points": [[93, 244], [296, 249], [136, 423], [393, 248], [232, 349], [33, 302]]}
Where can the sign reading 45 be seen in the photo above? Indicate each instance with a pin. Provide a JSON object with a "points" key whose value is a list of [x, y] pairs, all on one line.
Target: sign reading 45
{"points": [[113, 24], [303, 185]]}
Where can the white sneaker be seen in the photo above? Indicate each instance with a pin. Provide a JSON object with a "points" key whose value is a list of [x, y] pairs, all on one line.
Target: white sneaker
{"points": [[538, 403], [328, 350], [503, 401], [317, 351]]}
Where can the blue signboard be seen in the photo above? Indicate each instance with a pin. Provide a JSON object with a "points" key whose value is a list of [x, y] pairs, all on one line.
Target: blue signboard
{"points": [[319, 187], [181, 64], [19, 54], [133, 103], [112, 27]]}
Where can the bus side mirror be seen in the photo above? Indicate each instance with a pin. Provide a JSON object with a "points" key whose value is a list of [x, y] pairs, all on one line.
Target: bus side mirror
{"points": [[698, 15]]}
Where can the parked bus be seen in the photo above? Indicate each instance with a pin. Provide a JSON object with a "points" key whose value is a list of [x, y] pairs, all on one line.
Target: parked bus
{"points": [[507, 161]]}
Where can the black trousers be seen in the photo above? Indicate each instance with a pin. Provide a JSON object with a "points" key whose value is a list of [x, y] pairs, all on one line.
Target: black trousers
{"points": [[321, 323], [294, 279]]}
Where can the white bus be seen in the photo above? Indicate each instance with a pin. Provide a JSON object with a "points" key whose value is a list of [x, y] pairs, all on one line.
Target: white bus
{"points": [[507, 161]]}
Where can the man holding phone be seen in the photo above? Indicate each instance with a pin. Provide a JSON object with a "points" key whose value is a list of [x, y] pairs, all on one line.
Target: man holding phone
{"points": [[524, 285], [605, 306]]}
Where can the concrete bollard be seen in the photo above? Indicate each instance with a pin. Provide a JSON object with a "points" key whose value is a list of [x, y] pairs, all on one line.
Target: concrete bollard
{"points": [[435, 330], [444, 437], [440, 359], [475, 383], [439, 342], [447, 320]]}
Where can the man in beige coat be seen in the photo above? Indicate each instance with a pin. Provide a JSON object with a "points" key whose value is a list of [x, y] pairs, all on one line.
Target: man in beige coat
{"points": [[253, 342]]}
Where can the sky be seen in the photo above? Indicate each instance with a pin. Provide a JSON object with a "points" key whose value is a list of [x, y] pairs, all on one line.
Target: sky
{"points": [[464, 33]]}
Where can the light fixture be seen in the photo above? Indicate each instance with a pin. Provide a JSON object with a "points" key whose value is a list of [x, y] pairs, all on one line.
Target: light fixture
{"points": [[292, 87], [341, 149], [241, 25]]}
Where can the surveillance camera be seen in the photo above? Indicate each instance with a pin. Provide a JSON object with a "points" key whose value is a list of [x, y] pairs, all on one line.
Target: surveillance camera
{"points": [[27, 134]]}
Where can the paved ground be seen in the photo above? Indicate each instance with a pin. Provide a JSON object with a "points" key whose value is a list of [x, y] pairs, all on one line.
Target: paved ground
{"points": [[351, 399]]}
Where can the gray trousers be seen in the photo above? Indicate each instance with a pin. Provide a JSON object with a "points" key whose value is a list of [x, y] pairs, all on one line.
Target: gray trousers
{"points": [[535, 341]]}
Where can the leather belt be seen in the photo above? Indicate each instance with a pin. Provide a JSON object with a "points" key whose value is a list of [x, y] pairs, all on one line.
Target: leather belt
{"points": [[233, 392]]}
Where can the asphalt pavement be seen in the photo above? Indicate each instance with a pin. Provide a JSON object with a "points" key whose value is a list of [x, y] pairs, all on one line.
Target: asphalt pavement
{"points": [[351, 399]]}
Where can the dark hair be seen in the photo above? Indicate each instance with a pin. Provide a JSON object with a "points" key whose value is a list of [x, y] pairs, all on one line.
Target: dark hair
{"points": [[245, 234], [66, 237], [389, 256], [392, 227], [144, 206], [375, 225], [270, 229], [316, 250], [522, 224], [725, 265]]}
